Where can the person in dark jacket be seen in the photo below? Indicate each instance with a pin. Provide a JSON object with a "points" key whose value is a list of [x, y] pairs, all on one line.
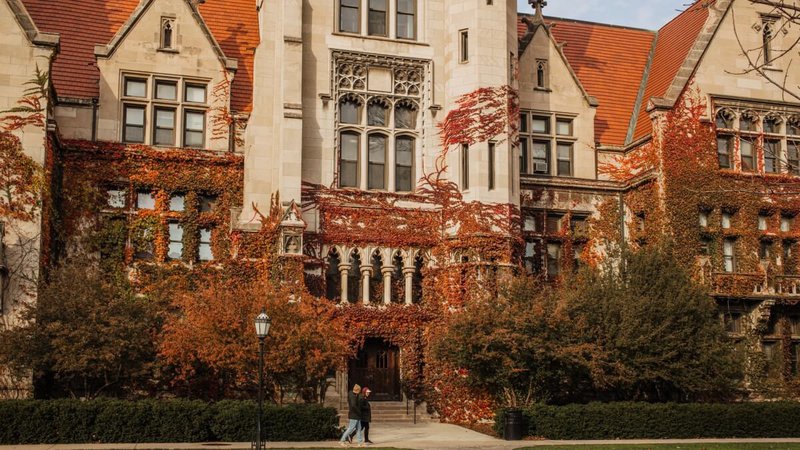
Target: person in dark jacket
{"points": [[354, 416], [366, 413]]}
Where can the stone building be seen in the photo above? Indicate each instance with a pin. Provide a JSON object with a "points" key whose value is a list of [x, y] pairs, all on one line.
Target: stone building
{"points": [[345, 100]]}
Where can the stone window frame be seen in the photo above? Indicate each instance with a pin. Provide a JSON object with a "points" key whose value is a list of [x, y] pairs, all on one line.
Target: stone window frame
{"points": [[786, 136], [542, 228], [463, 46], [410, 86], [392, 20], [528, 137], [168, 32], [542, 75], [151, 104]]}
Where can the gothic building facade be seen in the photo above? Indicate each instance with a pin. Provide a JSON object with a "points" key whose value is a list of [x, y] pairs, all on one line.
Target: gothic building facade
{"points": [[342, 108]]}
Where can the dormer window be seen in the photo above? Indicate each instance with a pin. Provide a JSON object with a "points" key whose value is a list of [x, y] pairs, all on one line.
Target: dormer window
{"points": [[167, 33]]}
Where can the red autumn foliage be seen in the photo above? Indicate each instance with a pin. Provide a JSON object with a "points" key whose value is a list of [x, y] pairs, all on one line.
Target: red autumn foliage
{"points": [[21, 181]]}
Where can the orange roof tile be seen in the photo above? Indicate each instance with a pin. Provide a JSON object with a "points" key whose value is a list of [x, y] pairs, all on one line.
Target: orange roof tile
{"points": [[610, 62], [83, 24], [675, 40]]}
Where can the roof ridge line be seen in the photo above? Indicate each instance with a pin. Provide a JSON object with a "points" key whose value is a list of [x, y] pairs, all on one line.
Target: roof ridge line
{"points": [[589, 22], [637, 107]]}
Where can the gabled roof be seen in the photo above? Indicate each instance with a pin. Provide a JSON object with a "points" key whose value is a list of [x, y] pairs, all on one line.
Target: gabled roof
{"points": [[82, 24], [625, 67], [610, 62], [675, 40], [25, 22]]}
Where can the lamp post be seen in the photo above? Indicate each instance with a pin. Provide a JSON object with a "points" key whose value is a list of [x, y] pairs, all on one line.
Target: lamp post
{"points": [[263, 323]]}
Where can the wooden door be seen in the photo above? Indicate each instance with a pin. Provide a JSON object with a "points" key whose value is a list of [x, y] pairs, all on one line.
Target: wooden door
{"points": [[377, 366]]}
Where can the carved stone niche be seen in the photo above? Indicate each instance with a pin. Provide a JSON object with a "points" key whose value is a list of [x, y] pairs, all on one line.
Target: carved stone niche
{"points": [[292, 227]]}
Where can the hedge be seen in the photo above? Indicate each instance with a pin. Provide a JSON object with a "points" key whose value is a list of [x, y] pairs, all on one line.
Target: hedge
{"points": [[119, 421], [626, 420]]}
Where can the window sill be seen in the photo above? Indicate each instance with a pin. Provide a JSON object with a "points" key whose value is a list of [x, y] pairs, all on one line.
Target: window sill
{"points": [[543, 89], [772, 68], [381, 38], [168, 50]]}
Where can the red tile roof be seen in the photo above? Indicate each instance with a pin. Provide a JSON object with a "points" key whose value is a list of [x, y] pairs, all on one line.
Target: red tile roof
{"points": [[675, 40], [83, 24], [610, 62]]}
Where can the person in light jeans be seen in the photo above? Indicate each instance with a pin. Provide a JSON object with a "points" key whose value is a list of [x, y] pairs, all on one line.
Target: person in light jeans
{"points": [[354, 416]]}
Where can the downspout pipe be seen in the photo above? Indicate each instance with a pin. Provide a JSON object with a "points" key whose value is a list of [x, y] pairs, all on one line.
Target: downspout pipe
{"points": [[94, 118]]}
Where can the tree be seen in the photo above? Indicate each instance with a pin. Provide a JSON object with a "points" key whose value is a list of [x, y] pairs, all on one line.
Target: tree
{"points": [[87, 331], [659, 329], [211, 335], [523, 347]]}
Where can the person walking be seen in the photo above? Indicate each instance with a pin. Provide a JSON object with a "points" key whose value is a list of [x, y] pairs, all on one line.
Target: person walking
{"points": [[354, 416], [366, 414]]}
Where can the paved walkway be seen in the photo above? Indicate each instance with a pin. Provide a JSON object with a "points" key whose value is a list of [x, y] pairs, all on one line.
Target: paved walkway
{"points": [[424, 436]]}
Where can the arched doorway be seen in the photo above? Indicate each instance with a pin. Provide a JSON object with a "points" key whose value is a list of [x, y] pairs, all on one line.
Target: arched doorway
{"points": [[377, 366]]}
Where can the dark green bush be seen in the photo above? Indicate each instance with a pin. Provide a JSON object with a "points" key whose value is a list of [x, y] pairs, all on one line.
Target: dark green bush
{"points": [[118, 421], [626, 420]]}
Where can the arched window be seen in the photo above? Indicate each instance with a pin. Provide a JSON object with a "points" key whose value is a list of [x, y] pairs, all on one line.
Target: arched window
{"points": [[376, 177], [748, 122], [541, 74], [333, 287], [405, 115], [377, 112], [167, 26], [349, 143], [398, 279], [404, 163], [376, 281], [417, 280], [354, 278], [772, 124], [724, 119], [350, 111], [767, 36]]}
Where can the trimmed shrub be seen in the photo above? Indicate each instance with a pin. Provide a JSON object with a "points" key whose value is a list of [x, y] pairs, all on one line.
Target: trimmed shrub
{"points": [[627, 420], [119, 421]]}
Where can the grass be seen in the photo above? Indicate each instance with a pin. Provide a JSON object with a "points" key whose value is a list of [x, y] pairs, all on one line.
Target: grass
{"points": [[715, 446]]}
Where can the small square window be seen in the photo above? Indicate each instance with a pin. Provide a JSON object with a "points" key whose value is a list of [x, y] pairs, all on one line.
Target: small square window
{"points": [[166, 90], [703, 218], [195, 93], [177, 203], [135, 87], [145, 200], [530, 249], [116, 198], [564, 127], [553, 223], [207, 203], [530, 223], [541, 124]]}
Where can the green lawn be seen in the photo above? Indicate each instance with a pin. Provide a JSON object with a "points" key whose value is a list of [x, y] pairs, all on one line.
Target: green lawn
{"points": [[731, 446]]}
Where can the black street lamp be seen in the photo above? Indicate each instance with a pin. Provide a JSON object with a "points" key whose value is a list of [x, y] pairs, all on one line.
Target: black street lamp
{"points": [[263, 323]]}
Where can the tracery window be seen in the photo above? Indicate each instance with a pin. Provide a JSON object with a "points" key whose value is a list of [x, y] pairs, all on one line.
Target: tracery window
{"points": [[378, 123], [167, 32], [764, 139]]}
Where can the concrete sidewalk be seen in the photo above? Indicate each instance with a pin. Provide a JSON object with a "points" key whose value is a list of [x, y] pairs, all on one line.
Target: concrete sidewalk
{"points": [[423, 436]]}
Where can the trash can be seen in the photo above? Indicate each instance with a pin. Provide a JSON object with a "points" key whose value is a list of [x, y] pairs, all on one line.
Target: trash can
{"points": [[513, 428]]}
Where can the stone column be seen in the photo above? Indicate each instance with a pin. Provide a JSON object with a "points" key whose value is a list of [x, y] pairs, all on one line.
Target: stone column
{"points": [[366, 274], [387, 284], [408, 274], [344, 272]]}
